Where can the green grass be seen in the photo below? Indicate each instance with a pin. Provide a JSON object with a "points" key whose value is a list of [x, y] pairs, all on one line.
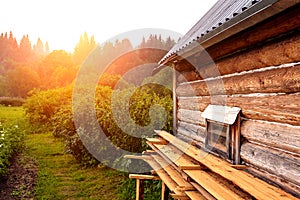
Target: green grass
{"points": [[60, 177], [9, 114]]}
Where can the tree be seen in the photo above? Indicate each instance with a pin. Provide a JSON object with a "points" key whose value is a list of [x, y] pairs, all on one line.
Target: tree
{"points": [[83, 48], [25, 49], [55, 66], [21, 80], [38, 48]]}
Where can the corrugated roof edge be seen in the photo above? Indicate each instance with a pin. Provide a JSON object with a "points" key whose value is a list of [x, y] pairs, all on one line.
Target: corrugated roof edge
{"points": [[249, 17]]}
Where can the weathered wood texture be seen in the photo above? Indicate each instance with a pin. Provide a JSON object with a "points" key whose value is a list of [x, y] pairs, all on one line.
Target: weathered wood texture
{"points": [[275, 108], [280, 136], [191, 116], [285, 185], [185, 132], [279, 80], [273, 54], [282, 164]]}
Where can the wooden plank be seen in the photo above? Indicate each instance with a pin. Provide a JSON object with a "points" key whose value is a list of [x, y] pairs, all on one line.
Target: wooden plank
{"points": [[260, 107], [185, 177], [143, 157], [282, 136], [203, 192], [270, 54], [139, 189], [241, 167], [191, 167], [183, 185], [163, 175], [278, 80], [143, 176], [157, 141], [279, 163], [256, 187], [212, 185], [194, 195]]}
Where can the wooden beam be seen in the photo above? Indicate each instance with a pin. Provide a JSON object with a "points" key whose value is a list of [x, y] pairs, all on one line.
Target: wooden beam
{"points": [[143, 177], [164, 191], [270, 54], [282, 136], [260, 107], [139, 189], [278, 80], [282, 164]]}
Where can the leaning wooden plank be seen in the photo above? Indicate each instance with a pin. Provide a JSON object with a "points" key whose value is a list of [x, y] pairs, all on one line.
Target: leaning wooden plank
{"points": [[202, 191], [143, 157], [195, 195], [157, 140], [212, 185], [256, 187], [163, 175], [183, 185], [143, 176], [178, 158], [167, 159]]}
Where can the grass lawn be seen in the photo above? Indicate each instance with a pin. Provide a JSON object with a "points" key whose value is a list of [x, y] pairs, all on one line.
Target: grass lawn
{"points": [[60, 177], [8, 114]]}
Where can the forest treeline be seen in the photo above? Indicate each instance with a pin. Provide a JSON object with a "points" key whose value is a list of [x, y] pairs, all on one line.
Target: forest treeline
{"points": [[24, 67]]}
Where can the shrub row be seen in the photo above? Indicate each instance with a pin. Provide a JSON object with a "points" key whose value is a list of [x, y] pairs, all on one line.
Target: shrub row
{"points": [[124, 116], [11, 137], [11, 101]]}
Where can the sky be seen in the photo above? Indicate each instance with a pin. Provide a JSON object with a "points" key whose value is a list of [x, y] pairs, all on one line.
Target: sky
{"points": [[61, 22]]}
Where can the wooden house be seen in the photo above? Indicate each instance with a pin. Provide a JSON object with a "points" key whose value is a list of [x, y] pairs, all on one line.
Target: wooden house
{"points": [[236, 97]]}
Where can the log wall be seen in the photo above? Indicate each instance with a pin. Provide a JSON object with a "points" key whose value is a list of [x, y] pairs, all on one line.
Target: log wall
{"points": [[264, 81]]}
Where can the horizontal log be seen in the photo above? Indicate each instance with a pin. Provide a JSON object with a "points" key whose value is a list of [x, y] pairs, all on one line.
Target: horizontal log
{"points": [[273, 54], [275, 108], [275, 80], [194, 129], [190, 135], [282, 136], [279, 163], [287, 186], [191, 116]]}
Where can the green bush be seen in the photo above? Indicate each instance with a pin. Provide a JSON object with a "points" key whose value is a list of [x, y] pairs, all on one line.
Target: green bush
{"points": [[11, 137], [54, 109]]}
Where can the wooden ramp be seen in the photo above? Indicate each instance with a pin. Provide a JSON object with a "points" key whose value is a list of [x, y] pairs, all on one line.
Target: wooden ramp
{"points": [[191, 173]]}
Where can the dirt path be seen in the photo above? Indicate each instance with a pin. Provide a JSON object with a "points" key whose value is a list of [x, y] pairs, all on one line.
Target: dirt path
{"points": [[20, 181]]}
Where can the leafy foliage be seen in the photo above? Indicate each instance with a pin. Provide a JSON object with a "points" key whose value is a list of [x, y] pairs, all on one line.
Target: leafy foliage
{"points": [[11, 141]]}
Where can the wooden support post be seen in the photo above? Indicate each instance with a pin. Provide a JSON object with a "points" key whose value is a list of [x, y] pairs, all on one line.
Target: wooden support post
{"points": [[164, 191], [139, 189]]}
